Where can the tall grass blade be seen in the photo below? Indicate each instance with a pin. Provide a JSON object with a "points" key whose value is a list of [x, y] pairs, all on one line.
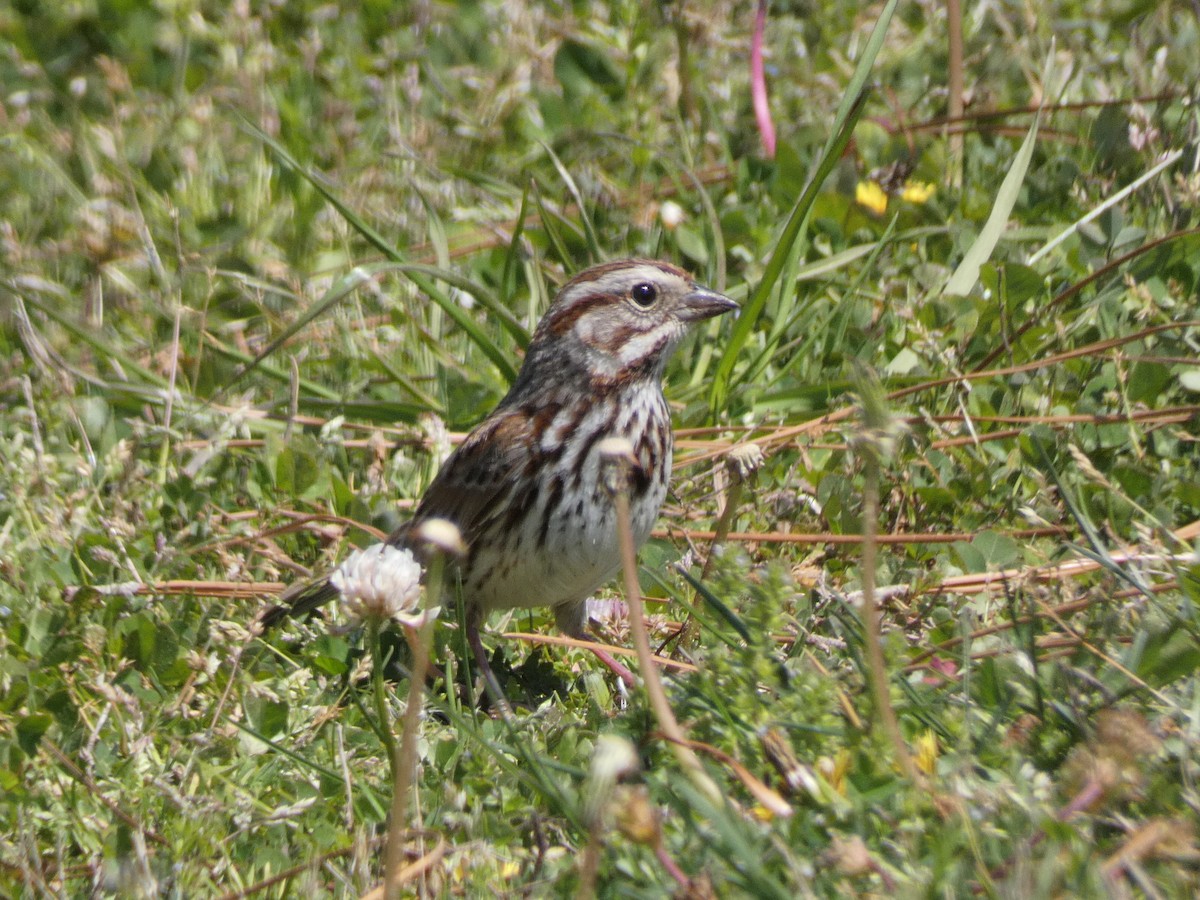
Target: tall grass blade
{"points": [[849, 112], [966, 276], [589, 231]]}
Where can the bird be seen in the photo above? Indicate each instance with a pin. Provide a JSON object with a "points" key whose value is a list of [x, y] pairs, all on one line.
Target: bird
{"points": [[526, 488]]}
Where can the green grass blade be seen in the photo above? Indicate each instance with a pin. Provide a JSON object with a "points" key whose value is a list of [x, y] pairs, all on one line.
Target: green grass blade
{"points": [[595, 254], [965, 277], [1169, 160], [419, 274], [93, 340], [716, 603], [849, 112], [550, 222], [792, 230]]}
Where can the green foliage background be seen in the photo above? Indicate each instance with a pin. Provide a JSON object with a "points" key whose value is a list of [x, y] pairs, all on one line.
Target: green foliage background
{"points": [[374, 204]]}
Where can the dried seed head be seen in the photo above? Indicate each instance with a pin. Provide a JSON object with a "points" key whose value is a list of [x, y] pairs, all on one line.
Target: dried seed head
{"points": [[744, 460], [613, 758], [671, 215], [617, 460], [636, 817], [442, 535]]}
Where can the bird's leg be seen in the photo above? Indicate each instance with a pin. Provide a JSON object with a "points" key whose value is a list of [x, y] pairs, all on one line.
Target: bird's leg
{"points": [[474, 618], [570, 619], [610, 661]]}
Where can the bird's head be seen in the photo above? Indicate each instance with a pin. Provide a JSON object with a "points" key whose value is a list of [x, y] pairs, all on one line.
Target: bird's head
{"points": [[622, 319]]}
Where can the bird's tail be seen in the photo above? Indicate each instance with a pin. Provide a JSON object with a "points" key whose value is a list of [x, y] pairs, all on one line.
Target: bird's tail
{"points": [[299, 600]]}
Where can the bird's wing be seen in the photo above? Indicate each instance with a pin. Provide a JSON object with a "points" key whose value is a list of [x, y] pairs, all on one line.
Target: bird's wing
{"points": [[474, 486]]}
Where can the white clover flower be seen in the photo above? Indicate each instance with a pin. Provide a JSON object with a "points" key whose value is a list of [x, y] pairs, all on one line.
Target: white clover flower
{"points": [[382, 582]]}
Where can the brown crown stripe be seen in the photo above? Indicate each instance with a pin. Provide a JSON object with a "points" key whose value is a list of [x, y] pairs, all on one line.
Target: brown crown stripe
{"points": [[598, 272]]}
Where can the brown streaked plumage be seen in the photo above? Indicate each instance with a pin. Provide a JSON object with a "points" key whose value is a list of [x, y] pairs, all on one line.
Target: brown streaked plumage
{"points": [[525, 486]]}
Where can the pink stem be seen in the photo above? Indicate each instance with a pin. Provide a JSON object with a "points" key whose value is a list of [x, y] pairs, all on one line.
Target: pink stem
{"points": [[671, 866], [758, 83]]}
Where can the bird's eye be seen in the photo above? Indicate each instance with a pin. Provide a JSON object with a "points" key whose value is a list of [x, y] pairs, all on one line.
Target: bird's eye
{"points": [[644, 294]]}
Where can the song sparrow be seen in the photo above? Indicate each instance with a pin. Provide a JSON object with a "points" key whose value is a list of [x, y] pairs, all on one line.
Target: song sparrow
{"points": [[526, 488]]}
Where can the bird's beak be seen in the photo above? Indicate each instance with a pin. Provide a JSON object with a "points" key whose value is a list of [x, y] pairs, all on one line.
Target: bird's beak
{"points": [[701, 303]]}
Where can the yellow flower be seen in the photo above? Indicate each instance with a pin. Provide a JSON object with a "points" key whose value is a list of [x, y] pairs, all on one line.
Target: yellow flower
{"points": [[761, 813], [927, 752], [510, 869], [917, 191], [872, 196], [834, 770]]}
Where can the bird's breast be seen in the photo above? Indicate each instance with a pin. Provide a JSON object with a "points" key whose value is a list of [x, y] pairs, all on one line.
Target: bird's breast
{"points": [[566, 546]]}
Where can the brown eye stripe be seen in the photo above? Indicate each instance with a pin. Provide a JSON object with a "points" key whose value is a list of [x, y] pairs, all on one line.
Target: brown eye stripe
{"points": [[561, 321]]}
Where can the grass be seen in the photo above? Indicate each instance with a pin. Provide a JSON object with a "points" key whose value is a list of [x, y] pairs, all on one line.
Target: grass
{"points": [[260, 267]]}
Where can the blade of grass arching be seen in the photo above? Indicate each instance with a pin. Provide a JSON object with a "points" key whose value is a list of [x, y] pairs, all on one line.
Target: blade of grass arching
{"points": [[716, 604], [809, 400], [819, 268], [382, 412], [708, 624], [792, 230], [593, 244], [315, 389], [406, 384], [373, 237], [849, 112], [481, 294], [418, 274], [500, 359], [127, 364], [508, 276], [550, 222], [1169, 160], [341, 288], [261, 285], [810, 331], [965, 277]]}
